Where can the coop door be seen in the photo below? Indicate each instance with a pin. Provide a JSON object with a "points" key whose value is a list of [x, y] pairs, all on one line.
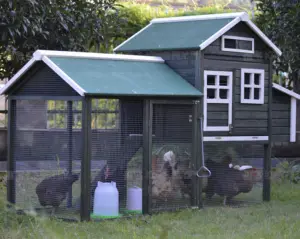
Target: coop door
{"points": [[172, 157], [217, 100]]}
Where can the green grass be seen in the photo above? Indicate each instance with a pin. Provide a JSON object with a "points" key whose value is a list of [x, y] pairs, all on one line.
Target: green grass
{"points": [[277, 219]]}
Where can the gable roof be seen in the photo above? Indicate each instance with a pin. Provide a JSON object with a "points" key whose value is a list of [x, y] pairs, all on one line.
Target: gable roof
{"points": [[189, 32], [111, 74]]}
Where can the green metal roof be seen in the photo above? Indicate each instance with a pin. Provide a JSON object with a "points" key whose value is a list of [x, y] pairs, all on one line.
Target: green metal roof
{"points": [[174, 35], [125, 77]]}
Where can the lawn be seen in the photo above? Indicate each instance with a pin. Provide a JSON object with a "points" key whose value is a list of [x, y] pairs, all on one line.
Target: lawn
{"points": [[277, 219]]}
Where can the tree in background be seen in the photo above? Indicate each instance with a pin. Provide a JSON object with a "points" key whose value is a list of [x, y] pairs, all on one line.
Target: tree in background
{"points": [[279, 20], [27, 25]]}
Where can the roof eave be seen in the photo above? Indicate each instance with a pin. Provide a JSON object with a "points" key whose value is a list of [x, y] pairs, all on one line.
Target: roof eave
{"points": [[87, 94], [286, 91]]}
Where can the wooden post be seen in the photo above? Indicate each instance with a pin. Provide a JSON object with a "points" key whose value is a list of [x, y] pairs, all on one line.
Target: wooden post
{"points": [[70, 149], [195, 156], [147, 157], [11, 163], [86, 160]]}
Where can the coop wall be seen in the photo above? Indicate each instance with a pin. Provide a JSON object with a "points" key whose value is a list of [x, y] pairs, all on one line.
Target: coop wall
{"points": [[46, 145], [281, 113], [40, 80], [182, 62], [247, 119]]}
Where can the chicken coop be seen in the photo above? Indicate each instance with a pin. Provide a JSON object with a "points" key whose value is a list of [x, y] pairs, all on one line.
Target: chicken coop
{"points": [[77, 119]]}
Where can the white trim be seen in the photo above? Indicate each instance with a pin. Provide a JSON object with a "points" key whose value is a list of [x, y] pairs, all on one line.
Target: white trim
{"points": [[39, 54], [21, 72], [63, 75], [261, 86], [286, 91], [217, 100], [224, 37], [234, 138], [263, 37], [219, 33], [198, 17], [134, 35], [293, 119]]}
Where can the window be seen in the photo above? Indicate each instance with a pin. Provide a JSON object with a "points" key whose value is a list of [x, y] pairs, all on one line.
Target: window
{"points": [[105, 113], [252, 86], [217, 90], [238, 44]]}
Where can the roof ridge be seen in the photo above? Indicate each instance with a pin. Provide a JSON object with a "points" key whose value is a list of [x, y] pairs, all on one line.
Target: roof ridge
{"points": [[199, 17], [39, 54]]}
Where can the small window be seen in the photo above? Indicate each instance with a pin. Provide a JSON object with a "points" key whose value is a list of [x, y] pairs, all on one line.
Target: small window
{"points": [[252, 86], [105, 114], [238, 44]]}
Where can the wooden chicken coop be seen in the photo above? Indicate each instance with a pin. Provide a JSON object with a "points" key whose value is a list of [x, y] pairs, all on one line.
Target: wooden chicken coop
{"points": [[136, 120], [81, 118]]}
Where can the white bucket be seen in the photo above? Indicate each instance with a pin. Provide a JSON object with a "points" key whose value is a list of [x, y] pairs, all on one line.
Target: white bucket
{"points": [[134, 199]]}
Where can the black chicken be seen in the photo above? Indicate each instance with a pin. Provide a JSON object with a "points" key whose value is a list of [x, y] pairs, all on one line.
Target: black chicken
{"points": [[224, 181], [53, 191]]}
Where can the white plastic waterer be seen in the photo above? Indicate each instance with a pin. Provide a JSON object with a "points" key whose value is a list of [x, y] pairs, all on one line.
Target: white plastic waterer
{"points": [[134, 199], [106, 200]]}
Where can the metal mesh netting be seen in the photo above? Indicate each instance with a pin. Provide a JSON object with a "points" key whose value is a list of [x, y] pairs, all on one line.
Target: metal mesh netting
{"points": [[171, 156], [47, 152], [117, 153], [236, 184]]}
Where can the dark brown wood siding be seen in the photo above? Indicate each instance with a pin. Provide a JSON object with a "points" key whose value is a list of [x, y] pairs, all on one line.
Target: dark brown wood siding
{"points": [[248, 119]]}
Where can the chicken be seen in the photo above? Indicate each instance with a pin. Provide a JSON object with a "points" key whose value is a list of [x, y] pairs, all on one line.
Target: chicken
{"points": [[53, 191], [226, 181]]}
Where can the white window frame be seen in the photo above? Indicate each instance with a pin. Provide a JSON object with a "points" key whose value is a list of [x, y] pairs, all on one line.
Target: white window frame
{"points": [[218, 100], [261, 86], [224, 37]]}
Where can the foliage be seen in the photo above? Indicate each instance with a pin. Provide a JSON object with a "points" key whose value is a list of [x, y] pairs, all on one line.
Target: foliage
{"points": [[27, 25], [287, 172], [279, 20]]}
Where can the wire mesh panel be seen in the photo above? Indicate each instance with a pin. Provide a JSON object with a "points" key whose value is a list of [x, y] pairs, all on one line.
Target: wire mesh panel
{"points": [[47, 152], [237, 170], [171, 156], [117, 157]]}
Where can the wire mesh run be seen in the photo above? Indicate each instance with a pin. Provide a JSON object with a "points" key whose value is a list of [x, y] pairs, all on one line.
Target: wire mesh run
{"points": [[171, 156], [237, 170], [47, 153], [117, 156]]}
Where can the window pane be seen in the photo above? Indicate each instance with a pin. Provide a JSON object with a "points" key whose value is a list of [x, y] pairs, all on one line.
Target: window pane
{"points": [[230, 43], [77, 105], [223, 80], [94, 104], [256, 93], [60, 121], [247, 93], [101, 121], [77, 120], [223, 94], [211, 80], [51, 121], [211, 93], [247, 78], [244, 45], [256, 79], [111, 122], [51, 105], [112, 104], [102, 104], [60, 105], [93, 121]]}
